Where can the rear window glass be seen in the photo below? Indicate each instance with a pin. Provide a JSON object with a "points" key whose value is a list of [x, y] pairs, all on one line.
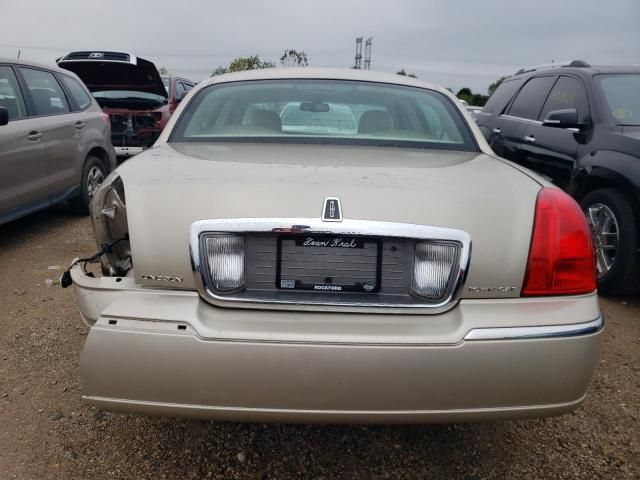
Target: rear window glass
{"points": [[80, 96], [337, 119], [324, 111]]}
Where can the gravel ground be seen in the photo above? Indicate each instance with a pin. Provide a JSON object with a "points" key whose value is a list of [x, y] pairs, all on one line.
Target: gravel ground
{"points": [[47, 432]]}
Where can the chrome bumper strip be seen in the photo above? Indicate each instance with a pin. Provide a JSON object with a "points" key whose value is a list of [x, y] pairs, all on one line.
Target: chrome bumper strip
{"points": [[547, 331]]}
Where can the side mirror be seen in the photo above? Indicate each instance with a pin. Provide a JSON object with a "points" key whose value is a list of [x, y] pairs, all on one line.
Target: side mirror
{"points": [[4, 116], [566, 118]]}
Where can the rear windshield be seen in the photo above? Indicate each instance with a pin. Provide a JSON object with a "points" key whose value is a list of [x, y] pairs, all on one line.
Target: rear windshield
{"points": [[324, 111], [622, 92]]}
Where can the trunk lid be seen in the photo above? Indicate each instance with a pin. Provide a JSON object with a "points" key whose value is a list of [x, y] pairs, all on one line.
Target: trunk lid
{"points": [[171, 186], [114, 71]]}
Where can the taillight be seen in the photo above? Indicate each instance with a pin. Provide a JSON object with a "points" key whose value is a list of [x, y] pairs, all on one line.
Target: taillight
{"points": [[561, 256], [105, 119]]}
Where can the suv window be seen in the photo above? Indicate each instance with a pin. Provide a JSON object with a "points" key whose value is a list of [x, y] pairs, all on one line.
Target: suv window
{"points": [[529, 101], [567, 93], [79, 94], [501, 96], [179, 89], [10, 95], [622, 92], [47, 94]]}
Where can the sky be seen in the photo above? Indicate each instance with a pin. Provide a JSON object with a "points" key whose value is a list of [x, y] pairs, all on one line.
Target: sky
{"points": [[454, 43]]}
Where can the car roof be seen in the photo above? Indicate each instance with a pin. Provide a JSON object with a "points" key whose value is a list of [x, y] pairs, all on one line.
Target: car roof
{"points": [[316, 73], [28, 63], [581, 71]]}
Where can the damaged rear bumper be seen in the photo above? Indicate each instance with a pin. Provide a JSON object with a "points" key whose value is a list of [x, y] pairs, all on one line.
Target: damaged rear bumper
{"points": [[152, 351]]}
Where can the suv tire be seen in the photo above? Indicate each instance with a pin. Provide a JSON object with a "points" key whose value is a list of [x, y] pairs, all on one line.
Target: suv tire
{"points": [[615, 234], [93, 174]]}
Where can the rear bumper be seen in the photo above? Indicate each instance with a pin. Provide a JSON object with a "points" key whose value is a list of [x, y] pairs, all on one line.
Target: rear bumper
{"points": [[139, 361]]}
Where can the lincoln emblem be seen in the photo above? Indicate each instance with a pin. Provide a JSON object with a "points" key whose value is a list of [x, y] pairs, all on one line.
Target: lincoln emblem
{"points": [[332, 212]]}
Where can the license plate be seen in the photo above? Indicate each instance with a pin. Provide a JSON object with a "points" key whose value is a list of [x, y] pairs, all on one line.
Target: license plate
{"points": [[329, 263]]}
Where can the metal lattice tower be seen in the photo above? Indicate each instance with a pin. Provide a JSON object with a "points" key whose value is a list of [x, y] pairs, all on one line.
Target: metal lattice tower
{"points": [[358, 63], [367, 53]]}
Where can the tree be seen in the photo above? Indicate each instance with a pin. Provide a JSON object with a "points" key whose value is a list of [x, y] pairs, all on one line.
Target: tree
{"points": [[494, 86], [220, 70], [404, 73], [163, 71], [464, 92], [294, 58], [476, 99], [244, 63]]}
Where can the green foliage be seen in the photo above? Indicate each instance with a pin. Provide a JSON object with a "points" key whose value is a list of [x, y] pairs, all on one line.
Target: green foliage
{"points": [[244, 63], [478, 100], [475, 99], [220, 70], [494, 86], [294, 58], [163, 71], [404, 73]]}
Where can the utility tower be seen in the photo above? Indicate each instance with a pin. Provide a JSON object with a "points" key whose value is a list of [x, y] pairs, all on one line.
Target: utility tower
{"points": [[358, 63], [367, 53]]}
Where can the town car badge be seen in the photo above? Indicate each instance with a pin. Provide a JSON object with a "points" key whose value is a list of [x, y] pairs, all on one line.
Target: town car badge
{"points": [[332, 210]]}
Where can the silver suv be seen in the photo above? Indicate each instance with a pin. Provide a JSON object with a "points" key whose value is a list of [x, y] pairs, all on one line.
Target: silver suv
{"points": [[54, 140]]}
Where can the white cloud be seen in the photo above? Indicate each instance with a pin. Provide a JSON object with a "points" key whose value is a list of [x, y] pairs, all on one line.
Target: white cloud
{"points": [[453, 42]]}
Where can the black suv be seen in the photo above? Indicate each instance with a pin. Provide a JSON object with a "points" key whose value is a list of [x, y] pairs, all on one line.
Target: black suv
{"points": [[579, 126]]}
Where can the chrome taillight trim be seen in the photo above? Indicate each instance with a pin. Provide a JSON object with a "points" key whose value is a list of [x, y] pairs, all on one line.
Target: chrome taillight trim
{"points": [[296, 301]]}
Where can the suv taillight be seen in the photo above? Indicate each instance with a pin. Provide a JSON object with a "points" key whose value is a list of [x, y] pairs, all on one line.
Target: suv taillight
{"points": [[106, 120], [561, 256]]}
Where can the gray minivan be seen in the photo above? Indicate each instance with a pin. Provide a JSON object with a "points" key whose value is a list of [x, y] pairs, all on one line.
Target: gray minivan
{"points": [[54, 140]]}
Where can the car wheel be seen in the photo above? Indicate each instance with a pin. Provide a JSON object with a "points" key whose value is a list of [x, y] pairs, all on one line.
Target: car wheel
{"points": [[93, 174], [615, 236]]}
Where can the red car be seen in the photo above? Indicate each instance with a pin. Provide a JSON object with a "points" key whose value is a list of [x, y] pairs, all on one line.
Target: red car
{"points": [[132, 92]]}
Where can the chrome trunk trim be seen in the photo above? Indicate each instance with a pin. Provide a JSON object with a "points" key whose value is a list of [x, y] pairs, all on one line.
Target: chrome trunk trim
{"points": [[315, 301]]}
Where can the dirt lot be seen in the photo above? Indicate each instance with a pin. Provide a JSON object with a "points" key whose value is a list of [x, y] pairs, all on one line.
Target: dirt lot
{"points": [[47, 432]]}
